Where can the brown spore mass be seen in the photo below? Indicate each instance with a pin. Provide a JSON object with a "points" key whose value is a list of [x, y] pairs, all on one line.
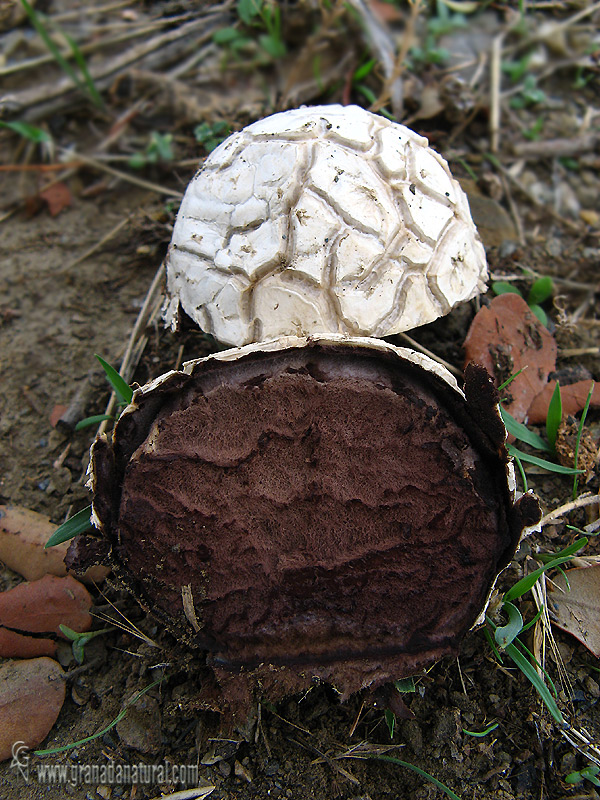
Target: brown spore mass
{"points": [[334, 512]]}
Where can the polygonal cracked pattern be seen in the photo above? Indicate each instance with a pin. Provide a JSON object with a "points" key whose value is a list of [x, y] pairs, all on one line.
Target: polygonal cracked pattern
{"points": [[322, 220]]}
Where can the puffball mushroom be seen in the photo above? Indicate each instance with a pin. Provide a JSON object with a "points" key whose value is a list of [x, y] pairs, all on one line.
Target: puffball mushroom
{"points": [[322, 219], [325, 508], [323, 505]]}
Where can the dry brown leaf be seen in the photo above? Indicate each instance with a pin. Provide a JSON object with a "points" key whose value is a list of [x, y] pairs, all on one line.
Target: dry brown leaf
{"points": [[31, 696], [57, 197], [573, 397], [15, 645], [576, 609], [23, 534], [507, 337], [41, 606]]}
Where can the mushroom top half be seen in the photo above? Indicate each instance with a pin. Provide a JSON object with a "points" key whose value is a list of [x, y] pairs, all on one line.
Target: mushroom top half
{"points": [[322, 219], [324, 507]]}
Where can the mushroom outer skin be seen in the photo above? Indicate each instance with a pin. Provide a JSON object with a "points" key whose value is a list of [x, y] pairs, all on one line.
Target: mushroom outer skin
{"points": [[325, 219], [322, 508]]}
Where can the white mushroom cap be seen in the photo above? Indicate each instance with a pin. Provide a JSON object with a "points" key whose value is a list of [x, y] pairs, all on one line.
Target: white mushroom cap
{"points": [[328, 219]]}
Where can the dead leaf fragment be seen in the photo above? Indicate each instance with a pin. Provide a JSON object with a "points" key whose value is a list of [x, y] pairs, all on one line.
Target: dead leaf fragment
{"points": [[41, 606], [507, 337], [23, 534], [573, 396], [15, 645], [576, 608], [57, 197], [32, 693]]}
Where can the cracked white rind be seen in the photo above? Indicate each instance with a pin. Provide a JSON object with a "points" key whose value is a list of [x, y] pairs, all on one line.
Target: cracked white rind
{"points": [[326, 219]]}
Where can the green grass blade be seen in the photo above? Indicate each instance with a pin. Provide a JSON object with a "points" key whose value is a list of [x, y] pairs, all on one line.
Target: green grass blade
{"points": [[420, 772], [525, 584], [89, 81], [30, 132], [94, 420], [76, 524], [530, 673], [46, 38], [517, 461], [109, 727], [480, 734], [505, 634], [120, 386], [573, 548], [554, 416], [532, 622], [511, 379], [521, 432], [541, 462], [489, 639], [390, 721], [579, 435]]}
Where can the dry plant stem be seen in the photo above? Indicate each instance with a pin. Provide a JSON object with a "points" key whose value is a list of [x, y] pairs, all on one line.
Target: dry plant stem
{"points": [[527, 42], [383, 48], [573, 226], [582, 501], [33, 104], [569, 284], [148, 313], [556, 148], [100, 243], [579, 351], [416, 346], [91, 9], [125, 176], [406, 44], [91, 47], [583, 742], [514, 211], [189, 794], [495, 86]]}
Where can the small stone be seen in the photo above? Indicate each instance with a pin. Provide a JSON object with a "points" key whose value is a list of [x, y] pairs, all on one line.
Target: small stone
{"points": [[225, 768], [592, 686], [241, 771], [140, 728]]}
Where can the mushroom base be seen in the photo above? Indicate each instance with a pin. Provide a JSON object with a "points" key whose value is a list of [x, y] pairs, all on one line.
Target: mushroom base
{"points": [[319, 512]]}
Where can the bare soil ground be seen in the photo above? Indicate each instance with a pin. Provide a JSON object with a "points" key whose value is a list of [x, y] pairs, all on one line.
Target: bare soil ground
{"points": [[72, 285]]}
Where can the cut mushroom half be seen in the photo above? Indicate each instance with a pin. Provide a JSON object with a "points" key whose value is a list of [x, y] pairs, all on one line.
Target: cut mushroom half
{"points": [[326, 219], [325, 508]]}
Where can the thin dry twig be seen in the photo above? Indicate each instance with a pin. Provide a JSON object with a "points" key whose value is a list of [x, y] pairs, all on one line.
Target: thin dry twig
{"points": [[37, 102], [586, 499], [416, 346], [556, 148], [395, 79], [127, 177], [383, 48], [135, 347], [495, 90]]}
